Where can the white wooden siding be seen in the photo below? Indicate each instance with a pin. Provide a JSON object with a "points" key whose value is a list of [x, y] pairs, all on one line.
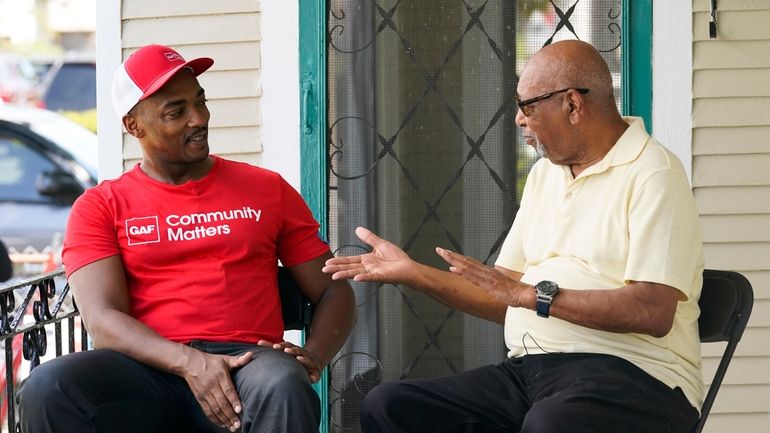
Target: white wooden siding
{"points": [[734, 200], [228, 31], [133, 9], [731, 181], [728, 140], [199, 29]]}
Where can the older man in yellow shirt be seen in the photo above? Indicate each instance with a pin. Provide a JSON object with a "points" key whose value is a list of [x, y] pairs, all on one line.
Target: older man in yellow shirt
{"points": [[597, 282]]}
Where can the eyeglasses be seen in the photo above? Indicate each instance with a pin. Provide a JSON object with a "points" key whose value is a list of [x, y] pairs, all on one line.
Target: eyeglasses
{"points": [[526, 106]]}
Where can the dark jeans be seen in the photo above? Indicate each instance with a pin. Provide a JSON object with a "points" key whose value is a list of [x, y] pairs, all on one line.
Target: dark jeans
{"points": [[105, 391], [550, 393]]}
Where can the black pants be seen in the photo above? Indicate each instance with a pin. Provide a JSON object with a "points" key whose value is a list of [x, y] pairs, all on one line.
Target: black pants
{"points": [[552, 393], [105, 391]]}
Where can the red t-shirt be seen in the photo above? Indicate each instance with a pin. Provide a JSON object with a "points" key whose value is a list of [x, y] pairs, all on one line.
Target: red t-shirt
{"points": [[200, 258]]}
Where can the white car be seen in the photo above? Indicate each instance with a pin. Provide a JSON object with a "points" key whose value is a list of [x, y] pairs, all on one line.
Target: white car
{"points": [[46, 162]]}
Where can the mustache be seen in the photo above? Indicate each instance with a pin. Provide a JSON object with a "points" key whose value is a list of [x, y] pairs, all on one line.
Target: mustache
{"points": [[196, 132]]}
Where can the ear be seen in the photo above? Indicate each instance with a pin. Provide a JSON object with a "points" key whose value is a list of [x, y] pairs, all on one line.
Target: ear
{"points": [[131, 123], [574, 105]]}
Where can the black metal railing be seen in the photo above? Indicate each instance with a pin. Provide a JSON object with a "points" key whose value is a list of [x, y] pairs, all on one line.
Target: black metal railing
{"points": [[31, 310]]}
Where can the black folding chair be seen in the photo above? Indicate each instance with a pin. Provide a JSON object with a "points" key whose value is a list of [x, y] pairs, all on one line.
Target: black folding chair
{"points": [[296, 308], [725, 306]]}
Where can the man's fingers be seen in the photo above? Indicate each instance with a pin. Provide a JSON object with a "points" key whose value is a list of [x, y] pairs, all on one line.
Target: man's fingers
{"points": [[277, 346], [226, 405], [359, 274], [451, 257], [446, 255], [233, 403], [271, 345], [369, 237], [337, 267], [240, 361], [344, 262], [213, 387], [210, 413], [307, 362], [310, 365], [214, 409], [466, 267], [344, 271], [458, 262], [364, 277], [301, 355]]}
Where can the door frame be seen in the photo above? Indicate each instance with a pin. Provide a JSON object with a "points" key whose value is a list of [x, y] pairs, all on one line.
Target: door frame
{"points": [[312, 84], [312, 132]]}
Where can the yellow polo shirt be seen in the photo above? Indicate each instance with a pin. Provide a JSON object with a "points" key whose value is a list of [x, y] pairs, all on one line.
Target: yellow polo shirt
{"points": [[631, 216]]}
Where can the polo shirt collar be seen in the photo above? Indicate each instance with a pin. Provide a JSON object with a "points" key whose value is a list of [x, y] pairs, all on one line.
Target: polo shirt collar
{"points": [[626, 149]]}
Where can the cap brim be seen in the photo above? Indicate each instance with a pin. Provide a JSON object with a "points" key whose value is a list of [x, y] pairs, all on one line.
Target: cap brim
{"points": [[198, 66]]}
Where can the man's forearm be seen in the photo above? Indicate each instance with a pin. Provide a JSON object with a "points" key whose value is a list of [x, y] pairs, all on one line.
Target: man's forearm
{"points": [[334, 318], [118, 331], [458, 293], [639, 307]]}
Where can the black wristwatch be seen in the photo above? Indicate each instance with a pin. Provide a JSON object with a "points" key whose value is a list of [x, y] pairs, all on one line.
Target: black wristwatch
{"points": [[546, 291]]}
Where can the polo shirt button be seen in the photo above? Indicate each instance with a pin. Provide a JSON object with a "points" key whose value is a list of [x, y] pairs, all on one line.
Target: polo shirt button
{"points": [[568, 196]]}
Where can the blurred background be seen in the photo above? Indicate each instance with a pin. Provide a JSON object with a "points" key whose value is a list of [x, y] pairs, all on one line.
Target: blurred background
{"points": [[47, 56], [47, 124]]}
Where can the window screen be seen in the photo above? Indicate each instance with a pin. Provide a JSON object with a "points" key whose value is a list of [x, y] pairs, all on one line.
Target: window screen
{"points": [[423, 149]]}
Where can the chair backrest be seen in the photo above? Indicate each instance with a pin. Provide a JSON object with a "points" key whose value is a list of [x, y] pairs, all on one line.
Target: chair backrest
{"points": [[725, 306], [296, 308]]}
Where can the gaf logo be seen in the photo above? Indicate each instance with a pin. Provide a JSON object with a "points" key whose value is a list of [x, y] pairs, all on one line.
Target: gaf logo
{"points": [[143, 230], [172, 56]]}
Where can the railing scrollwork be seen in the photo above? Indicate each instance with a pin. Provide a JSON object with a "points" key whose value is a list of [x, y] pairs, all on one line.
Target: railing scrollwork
{"points": [[29, 310]]}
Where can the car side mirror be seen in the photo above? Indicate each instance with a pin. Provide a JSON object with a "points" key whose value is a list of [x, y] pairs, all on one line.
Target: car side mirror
{"points": [[59, 185]]}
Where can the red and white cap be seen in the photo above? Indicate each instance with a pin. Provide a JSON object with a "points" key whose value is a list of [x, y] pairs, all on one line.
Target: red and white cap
{"points": [[147, 70]]}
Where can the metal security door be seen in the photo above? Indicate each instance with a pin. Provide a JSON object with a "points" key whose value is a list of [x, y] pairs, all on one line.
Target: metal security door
{"points": [[421, 147]]}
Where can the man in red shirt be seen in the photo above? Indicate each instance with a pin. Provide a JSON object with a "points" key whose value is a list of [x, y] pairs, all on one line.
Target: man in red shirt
{"points": [[173, 267]]}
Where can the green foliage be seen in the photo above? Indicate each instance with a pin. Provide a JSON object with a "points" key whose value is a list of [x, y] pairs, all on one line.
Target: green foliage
{"points": [[524, 8], [86, 118]]}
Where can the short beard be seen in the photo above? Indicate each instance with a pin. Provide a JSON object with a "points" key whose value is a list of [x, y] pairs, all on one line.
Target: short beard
{"points": [[539, 148]]}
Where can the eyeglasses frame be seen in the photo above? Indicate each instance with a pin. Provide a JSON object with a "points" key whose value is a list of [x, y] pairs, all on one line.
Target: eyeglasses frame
{"points": [[525, 105]]}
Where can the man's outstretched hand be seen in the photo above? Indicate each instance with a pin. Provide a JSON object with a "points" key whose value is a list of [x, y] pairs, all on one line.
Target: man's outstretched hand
{"points": [[387, 263], [491, 280]]}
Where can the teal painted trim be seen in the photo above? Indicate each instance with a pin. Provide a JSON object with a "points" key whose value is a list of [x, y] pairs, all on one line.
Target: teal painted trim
{"points": [[636, 55], [312, 131], [312, 87]]}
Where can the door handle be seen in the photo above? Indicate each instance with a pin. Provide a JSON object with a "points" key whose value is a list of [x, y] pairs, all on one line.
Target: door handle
{"points": [[309, 106]]}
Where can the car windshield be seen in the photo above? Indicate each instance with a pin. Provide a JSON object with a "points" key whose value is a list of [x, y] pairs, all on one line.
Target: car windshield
{"points": [[19, 167], [70, 136], [73, 88], [73, 138]]}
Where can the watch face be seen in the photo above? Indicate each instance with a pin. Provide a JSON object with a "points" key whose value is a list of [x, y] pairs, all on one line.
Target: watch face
{"points": [[548, 288]]}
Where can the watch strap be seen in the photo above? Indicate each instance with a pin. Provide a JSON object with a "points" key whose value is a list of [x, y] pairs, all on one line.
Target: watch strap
{"points": [[543, 305]]}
